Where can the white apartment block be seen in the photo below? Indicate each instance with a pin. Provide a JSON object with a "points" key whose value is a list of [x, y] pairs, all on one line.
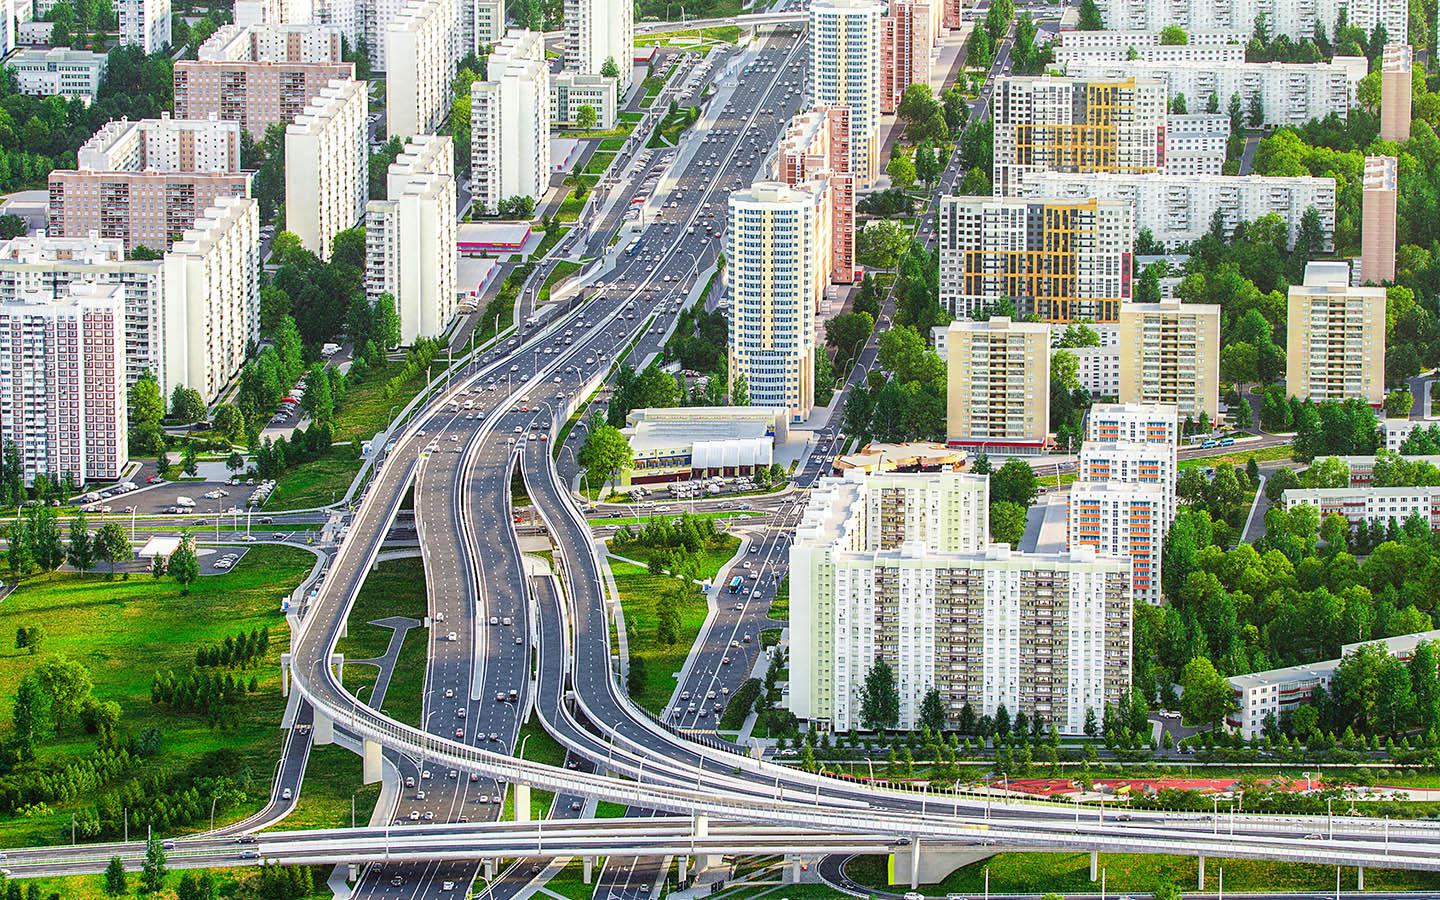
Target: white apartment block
{"points": [[1116, 46], [1362, 468], [1045, 634], [410, 238], [1335, 337], [62, 382], [845, 71], [1098, 369], [1059, 259], [1195, 143], [1297, 20], [163, 145], [1169, 352], [1396, 431], [1290, 93], [1136, 423], [420, 68], [58, 72], [144, 24], [272, 42], [346, 15], [510, 123], [326, 169], [1047, 124], [1178, 209], [38, 265], [1370, 504], [482, 22], [569, 91], [212, 297], [998, 385], [274, 12], [1123, 521], [778, 258], [597, 31]]}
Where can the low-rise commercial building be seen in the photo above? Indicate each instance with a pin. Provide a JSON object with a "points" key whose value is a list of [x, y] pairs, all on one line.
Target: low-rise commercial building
{"points": [[899, 568], [410, 246], [998, 385], [1057, 259], [1170, 353], [58, 72], [569, 91], [1179, 209], [62, 382], [1370, 504], [1335, 337], [679, 444], [327, 178], [259, 75]]}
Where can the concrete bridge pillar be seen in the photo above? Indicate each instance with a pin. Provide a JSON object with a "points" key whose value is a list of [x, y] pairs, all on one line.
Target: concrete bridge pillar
{"points": [[522, 802], [589, 863], [915, 863], [1094, 865], [489, 870], [1359, 878], [703, 861], [370, 751], [337, 662], [324, 729], [1201, 870], [792, 870], [684, 863], [284, 674]]}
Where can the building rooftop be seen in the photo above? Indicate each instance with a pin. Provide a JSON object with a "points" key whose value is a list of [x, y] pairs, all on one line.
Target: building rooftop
{"points": [[883, 457]]}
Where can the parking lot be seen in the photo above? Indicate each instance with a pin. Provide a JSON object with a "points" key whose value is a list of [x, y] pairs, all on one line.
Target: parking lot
{"points": [[229, 497], [219, 560]]}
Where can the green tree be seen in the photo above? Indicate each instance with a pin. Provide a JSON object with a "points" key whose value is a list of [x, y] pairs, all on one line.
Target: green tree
{"points": [[229, 422], [186, 404], [1007, 522], [116, 883], [387, 321], [610, 69], [739, 392], [32, 715], [184, 566], [880, 700], [112, 545], [81, 552], [152, 872], [586, 117], [1208, 696], [1014, 482], [1090, 18], [901, 169], [928, 164], [67, 683], [932, 711], [1172, 35], [605, 454]]}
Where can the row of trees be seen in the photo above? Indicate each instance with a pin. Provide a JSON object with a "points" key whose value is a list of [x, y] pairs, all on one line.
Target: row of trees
{"points": [[237, 650], [34, 543]]}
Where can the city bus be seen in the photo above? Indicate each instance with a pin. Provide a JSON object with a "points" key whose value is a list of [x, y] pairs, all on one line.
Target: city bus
{"points": [[735, 584]]}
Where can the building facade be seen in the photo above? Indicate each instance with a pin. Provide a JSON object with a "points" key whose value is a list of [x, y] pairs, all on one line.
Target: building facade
{"points": [[62, 382], [1179, 209], [1335, 337], [327, 179], [597, 32], [845, 71], [410, 238], [1296, 20], [1170, 353], [777, 251], [510, 123], [1218, 47], [1195, 143], [1378, 204], [259, 76], [1370, 504], [163, 145], [1395, 92], [1061, 260], [815, 147], [144, 24], [905, 46], [570, 91], [58, 72], [1050, 124], [1043, 634], [998, 384], [420, 67]]}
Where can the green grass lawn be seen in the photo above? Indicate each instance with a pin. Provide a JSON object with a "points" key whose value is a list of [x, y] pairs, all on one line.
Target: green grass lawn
{"points": [[1070, 872], [1239, 456], [367, 410], [395, 588], [332, 777], [639, 521], [725, 34], [639, 593], [610, 146], [235, 882], [563, 270], [551, 238], [667, 133], [598, 162], [780, 606], [539, 745], [570, 882], [315, 483], [124, 631], [608, 809]]}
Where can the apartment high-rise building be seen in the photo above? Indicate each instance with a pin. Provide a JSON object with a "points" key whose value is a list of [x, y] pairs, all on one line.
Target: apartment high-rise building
{"points": [[1170, 353], [260, 75], [144, 24], [510, 123], [274, 12], [1043, 634], [1288, 93], [1060, 260], [1120, 521], [410, 238], [1116, 46], [998, 384], [1136, 423], [1335, 337], [816, 147], [420, 67], [346, 15], [62, 382], [1381, 192], [905, 44], [482, 22], [327, 179], [1195, 143], [1295, 20], [777, 253], [597, 32], [570, 91], [1178, 209], [1045, 124], [147, 181], [1395, 89], [845, 71]]}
